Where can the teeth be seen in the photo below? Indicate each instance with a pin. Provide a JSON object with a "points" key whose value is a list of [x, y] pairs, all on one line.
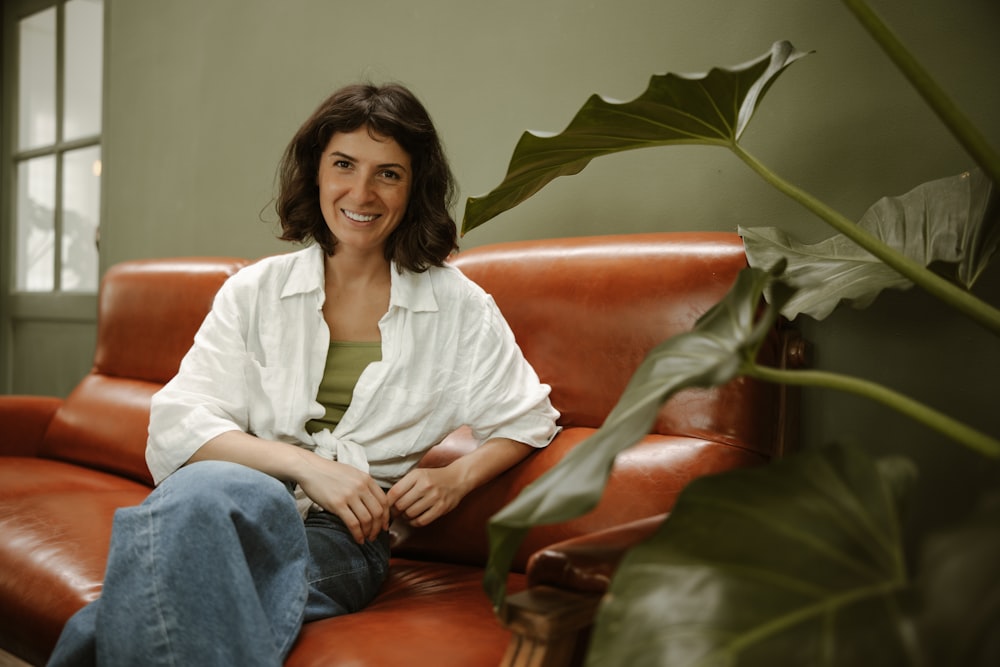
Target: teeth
{"points": [[358, 217]]}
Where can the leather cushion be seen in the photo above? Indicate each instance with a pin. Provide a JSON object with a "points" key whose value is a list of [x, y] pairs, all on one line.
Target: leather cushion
{"points": [[103, 424], [55, 520], [586, 310], [149, 311], [427, 614]]}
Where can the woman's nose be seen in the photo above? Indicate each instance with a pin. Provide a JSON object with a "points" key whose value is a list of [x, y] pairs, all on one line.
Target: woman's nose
{"points": [[363, 190]]}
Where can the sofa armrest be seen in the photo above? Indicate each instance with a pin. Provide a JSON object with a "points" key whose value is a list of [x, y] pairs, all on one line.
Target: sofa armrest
{"points": [[23, 422], [585, 564], [550, 621]]}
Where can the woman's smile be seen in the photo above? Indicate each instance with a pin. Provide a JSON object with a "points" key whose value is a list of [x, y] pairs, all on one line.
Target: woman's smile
{"points": [[359, 217]]}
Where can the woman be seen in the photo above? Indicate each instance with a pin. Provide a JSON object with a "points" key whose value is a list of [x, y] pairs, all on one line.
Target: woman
{"points": [[313, 387]]}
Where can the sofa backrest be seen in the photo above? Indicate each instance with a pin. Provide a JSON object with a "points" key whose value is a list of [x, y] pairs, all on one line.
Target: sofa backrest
{"points": [[148, 313], [586, 311]]}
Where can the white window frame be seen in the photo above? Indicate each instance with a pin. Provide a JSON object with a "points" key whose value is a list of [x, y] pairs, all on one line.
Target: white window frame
{"points": [[56, 305]]}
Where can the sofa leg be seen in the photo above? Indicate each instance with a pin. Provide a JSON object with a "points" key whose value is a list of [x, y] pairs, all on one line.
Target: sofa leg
{"points": [[550, 627]]}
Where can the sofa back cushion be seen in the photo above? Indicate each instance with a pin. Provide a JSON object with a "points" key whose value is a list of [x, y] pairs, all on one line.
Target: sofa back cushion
{"points": [[586, 311], [150, 310], [148, 313]]}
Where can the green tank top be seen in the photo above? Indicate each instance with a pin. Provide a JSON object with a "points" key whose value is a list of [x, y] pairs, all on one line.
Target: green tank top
{"points": [[345, 361]]}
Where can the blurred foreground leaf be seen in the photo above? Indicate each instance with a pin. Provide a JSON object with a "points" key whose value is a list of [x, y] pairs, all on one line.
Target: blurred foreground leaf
{"points": [[799, 562]]}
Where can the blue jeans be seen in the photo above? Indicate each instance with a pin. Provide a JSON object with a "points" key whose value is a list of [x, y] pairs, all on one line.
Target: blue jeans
{"points": [[217, 568]]}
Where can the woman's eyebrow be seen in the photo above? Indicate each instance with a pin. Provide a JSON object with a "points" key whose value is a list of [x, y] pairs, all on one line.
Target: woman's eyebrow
{"points": [[343, 155], [387, 165]]}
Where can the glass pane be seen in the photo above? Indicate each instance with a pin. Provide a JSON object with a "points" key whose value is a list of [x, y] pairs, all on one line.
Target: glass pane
{"points": [[35, 227], [83, 73], [81, 216], [37, 80]]}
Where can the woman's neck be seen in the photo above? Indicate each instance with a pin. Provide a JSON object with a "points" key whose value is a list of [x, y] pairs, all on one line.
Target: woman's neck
{"points": [[348, 270]]}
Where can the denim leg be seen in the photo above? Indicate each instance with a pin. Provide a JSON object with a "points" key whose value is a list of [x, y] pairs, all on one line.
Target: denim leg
{"points": [[343, 576], [207, 571], [77, 643]]}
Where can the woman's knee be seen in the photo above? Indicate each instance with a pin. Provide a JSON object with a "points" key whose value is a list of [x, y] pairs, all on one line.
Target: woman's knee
{"points": [[205, 485]]}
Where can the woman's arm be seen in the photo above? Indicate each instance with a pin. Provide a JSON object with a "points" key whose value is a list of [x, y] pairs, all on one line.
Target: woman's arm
{"points": [[425, 494], [338, 488]]}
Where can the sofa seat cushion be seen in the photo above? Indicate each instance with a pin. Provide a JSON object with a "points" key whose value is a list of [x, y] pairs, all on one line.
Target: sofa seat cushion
{"points": [[426, 614], [55, 519], [21, 476]]}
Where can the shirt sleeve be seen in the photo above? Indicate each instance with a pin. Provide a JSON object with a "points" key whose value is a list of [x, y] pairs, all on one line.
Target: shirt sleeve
{"points": [[207, 397], [506, 397]]}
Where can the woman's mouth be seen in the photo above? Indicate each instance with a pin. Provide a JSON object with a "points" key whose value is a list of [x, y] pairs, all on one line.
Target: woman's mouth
{"points": [[359, 217]]}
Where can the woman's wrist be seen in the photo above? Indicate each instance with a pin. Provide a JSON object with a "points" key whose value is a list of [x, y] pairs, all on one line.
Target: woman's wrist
{"points": [[490, 459], [464, 476], [281, 460]]}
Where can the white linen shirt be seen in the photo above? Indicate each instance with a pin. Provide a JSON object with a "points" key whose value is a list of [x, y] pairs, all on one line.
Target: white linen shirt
{"points": [[449, 359]]}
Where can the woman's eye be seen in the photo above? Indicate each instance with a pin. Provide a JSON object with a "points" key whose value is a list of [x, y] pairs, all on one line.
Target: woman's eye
{"points": [[342, 164], [390, 174]]}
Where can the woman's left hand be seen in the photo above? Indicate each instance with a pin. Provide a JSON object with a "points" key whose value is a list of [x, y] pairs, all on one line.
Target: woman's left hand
{"points": [[425, 494]]}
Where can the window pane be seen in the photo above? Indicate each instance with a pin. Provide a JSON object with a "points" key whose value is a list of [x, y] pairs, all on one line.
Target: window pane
{"points": [[83, 73], [37, 80], [81, 216], [35, 227]]}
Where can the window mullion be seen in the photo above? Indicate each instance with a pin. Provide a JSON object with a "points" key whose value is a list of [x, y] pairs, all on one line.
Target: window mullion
{"points": [[59, 151], [64, 146]]}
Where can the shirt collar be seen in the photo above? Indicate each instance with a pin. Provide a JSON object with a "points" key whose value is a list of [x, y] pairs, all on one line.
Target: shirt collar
{"points": [[305, 272], [413, 291], [409, 290]]}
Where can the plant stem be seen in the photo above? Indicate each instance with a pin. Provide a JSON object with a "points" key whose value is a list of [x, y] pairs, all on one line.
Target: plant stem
{"points": [[928, 416], [960, 299], [961, 127]]}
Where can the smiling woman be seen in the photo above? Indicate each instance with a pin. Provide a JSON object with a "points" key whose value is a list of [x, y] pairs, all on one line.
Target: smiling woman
{"points": [[289, 438]]}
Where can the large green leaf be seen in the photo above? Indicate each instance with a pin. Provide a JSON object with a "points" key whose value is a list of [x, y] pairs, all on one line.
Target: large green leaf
{"points": [[952, 220], [709, 109], [714, 352], [959, 582], [800, 562]]}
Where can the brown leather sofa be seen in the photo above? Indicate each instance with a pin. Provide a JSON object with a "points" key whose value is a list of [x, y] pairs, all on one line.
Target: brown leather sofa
{"points": [[585, 311]]}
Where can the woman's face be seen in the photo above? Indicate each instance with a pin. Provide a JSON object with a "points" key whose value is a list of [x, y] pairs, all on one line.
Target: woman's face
{"points": [[364, 186]]}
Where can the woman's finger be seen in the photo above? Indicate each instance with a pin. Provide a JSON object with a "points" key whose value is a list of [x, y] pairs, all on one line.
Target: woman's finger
{"points": [[353, 523], [375, 504]]}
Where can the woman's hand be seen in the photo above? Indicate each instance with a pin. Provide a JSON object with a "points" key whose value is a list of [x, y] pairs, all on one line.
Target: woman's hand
{"points": [[350, 494], [338, 488], [425, 494]]}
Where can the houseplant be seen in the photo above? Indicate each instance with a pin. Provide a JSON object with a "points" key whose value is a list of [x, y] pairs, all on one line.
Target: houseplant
{"points": [[828, 576]]}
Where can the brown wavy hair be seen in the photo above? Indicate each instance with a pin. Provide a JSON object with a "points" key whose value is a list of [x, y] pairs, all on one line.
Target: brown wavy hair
{"points": [[427, 235]]}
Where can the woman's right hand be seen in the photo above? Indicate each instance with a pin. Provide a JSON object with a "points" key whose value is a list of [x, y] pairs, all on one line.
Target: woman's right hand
{"points": [[348, 493]]}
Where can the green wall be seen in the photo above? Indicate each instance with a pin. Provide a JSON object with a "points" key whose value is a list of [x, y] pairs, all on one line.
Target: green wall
{"points": [[202, 96]]}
